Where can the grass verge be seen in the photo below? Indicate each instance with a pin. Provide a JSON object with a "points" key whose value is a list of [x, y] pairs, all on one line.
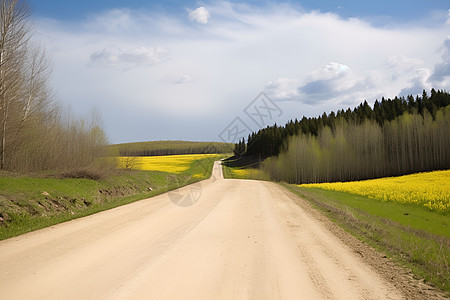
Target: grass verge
{"points": [[246, 167], [238, 173], [413, 236], [29, 203]]}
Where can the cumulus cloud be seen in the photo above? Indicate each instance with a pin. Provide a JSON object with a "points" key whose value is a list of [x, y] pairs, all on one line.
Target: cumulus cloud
{"points": [[425, 79], [326, 82], [418, 83], [114, 56], [330, 82], [333, 83], [400, 65], [199, 15], [283, 89], [441, 73]]}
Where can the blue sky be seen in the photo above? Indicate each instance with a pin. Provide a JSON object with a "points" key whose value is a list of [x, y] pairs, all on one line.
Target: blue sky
{"points": [[398, 9], [189, 69]]}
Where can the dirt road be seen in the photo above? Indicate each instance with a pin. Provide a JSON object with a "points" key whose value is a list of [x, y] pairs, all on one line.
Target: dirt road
{"points": [[242, 239]]}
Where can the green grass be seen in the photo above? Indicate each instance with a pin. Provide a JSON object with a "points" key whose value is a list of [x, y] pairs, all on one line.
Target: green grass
{"points": [[243, 173], [413, 236], [246, 167], [29, 203], [227, 173]]}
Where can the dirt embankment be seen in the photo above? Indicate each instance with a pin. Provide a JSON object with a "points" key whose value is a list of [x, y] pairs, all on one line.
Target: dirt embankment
{"points": [[24, 198]]}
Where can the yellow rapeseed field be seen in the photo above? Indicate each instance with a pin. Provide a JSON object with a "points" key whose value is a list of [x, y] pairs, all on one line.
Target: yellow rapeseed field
{"points": [[241, 172], [169, 163], [431, 189], [247, 173]]}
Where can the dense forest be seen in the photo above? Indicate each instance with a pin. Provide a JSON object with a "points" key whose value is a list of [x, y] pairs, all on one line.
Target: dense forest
{"points": [[35, 133], [156, 148], [394, 137]]}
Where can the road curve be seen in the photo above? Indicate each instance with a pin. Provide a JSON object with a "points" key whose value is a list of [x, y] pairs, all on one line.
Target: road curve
{"points": [[241, 239]]}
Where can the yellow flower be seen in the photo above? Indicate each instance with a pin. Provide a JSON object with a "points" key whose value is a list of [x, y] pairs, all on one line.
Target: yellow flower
{"points": [[169, 163], [431, 189]]}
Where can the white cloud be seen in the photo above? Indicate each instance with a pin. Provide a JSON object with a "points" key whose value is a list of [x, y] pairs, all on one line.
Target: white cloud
{"points": [[330, 71], [199, 15], [327, 83], [283, 89], [331, 82], [418, 83], [441, 73], [424, 79], [114, 56], [401, 65]]}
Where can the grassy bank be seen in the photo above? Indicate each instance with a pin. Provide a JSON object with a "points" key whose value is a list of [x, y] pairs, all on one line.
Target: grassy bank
{"points": [[244, 167], [29, 202], [237, 173], [412, 235]]}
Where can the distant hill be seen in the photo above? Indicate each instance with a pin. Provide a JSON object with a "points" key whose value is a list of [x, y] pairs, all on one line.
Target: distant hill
{"points": [[156, 148]]}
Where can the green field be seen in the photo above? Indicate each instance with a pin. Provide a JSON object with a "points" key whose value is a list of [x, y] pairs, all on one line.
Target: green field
{"points": [[412, 235], [29, 203]]}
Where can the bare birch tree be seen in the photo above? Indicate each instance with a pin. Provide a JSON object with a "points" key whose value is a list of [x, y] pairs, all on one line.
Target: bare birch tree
{"points": [[34, 133], [14, 40]]}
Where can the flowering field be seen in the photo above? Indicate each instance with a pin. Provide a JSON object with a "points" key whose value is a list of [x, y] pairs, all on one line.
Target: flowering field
{"points": [[431, 190], [243, 173], [248, 173], [170, 163]]}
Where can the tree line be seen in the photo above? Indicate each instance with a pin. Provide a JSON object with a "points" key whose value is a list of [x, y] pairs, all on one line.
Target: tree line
{"points": [[397, 136], [272, 140], [35, 133], [157, 148], [239, 148]]}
